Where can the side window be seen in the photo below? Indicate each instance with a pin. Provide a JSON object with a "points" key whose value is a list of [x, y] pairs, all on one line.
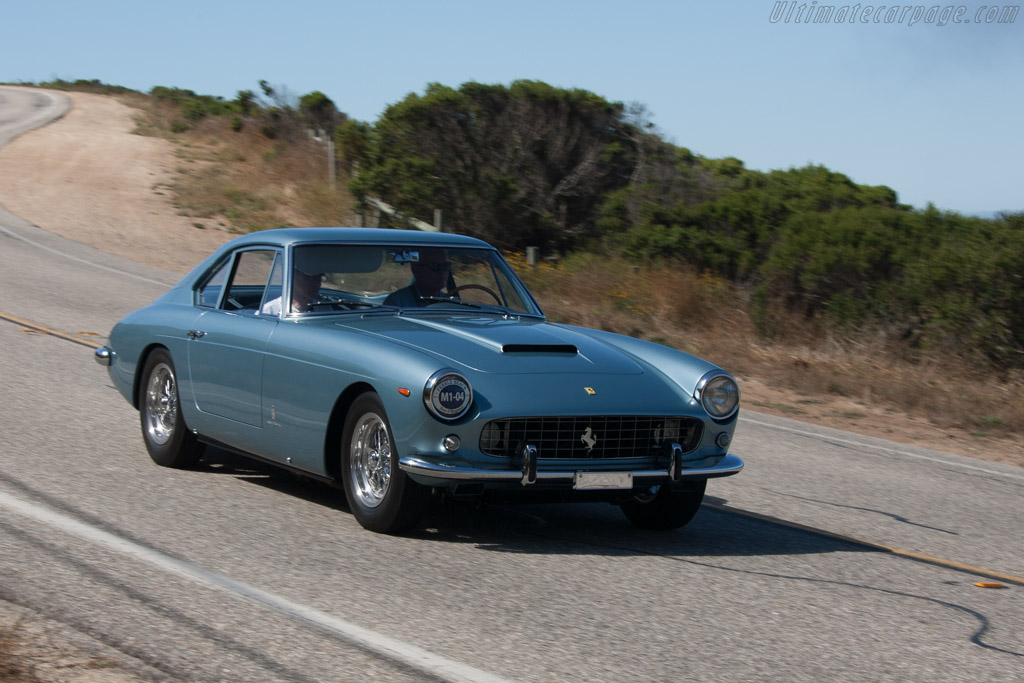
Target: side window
{"points": [[209, 294], [249, 281]]}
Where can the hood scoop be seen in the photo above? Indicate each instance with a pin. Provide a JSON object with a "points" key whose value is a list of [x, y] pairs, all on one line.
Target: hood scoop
{"points": [[498, 345], [540, 348]]}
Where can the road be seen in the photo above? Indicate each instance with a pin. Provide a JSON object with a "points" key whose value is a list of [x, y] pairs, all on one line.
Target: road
{"points": [[237, 572]]}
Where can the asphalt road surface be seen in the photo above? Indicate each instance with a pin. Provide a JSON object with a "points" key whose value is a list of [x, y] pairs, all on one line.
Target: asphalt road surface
{"points": [[794, 569]]}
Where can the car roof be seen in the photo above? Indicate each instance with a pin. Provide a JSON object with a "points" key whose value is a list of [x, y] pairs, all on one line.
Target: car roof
{"points": [[293, 236]]}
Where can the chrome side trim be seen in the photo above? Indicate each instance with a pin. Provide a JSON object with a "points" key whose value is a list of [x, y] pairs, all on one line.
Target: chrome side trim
{"points": [[104, 356], [729, 465]]}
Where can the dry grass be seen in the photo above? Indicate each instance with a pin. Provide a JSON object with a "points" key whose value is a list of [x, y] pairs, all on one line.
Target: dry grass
{"points": [[242, 180], [13, 666], [709, 317], [33, 651]]}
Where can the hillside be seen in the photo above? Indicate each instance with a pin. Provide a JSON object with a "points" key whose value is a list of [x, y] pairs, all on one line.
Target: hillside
{"points": [[90, 178]]}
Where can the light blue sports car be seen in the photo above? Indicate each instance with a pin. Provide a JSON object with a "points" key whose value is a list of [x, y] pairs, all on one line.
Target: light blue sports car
{"points": [[400, 364]]}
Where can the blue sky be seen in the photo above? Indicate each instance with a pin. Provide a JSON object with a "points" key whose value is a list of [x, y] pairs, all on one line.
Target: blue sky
{"points": [[935, 112]]}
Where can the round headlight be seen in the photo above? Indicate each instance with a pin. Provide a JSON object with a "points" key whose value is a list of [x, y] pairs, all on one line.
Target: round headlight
{"points": [[447, 395], [719, 394]]}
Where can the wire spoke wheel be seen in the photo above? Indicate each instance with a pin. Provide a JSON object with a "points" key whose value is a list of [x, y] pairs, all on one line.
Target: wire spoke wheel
{"points": [[371, 460], [168, 439], [381, 496], [161, 407]]}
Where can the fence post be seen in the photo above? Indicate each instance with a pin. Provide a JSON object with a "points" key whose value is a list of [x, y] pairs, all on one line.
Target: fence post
{"points": [[332, 171]]}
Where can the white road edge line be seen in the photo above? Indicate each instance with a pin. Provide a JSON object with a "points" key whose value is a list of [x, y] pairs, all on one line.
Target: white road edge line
{"points": [[860, 444], [80, 260], [391, 648]]}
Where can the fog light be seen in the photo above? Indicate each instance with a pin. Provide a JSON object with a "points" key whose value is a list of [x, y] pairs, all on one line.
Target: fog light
{"points": [[723, 439], [451, 443]]}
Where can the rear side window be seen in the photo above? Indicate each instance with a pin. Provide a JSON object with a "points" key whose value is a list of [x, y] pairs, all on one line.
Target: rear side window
{"points": [[209, 294], [246, 279]]}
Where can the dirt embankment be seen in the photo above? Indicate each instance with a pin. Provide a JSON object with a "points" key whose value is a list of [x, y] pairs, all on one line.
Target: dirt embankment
{"points": [[88, 178]]}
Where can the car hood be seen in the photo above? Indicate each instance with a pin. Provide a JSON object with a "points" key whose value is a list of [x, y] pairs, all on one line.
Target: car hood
{"points": [[499, 345]]}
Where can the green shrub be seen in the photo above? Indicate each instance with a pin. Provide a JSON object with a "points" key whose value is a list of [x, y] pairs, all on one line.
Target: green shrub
{"points": [[193, 110]]}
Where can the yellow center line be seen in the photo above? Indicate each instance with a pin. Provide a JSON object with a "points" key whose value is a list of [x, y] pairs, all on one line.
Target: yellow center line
{"points": [[909, 554], [36, 327]]}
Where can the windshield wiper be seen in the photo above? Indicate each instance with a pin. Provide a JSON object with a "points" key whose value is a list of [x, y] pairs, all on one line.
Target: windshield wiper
{"points": [[482, 308], [348, 305]]}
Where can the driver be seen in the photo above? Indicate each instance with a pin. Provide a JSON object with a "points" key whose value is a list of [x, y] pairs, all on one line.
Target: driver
{"points": [[430, 276]]}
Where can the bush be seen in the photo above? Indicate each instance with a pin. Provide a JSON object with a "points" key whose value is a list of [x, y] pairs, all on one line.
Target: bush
{"points": [[193, 110]]}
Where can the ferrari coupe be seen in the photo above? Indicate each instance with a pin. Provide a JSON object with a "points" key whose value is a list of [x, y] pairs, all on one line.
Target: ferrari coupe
{"points": [[403, 365]]}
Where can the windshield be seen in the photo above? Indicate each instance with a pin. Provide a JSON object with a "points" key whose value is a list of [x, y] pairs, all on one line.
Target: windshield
{"points": [[407, 278]]}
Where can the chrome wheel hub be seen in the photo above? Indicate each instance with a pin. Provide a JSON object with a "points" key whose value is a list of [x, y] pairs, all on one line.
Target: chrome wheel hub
{"points": [[370, 458], [161, 404]]}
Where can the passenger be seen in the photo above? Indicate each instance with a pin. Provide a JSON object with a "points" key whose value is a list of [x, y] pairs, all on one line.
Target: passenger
{"points": [[305, 287]]}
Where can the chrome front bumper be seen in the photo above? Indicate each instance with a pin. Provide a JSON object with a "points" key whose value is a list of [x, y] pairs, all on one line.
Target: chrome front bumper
{"points": [[729, 465]]}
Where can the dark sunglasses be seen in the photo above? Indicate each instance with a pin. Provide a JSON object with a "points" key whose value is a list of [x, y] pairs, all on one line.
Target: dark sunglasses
{"points": [[436, 266]]}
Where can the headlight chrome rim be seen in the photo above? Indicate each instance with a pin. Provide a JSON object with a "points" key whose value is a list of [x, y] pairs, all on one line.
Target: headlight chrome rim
{"points": [[705, 393], [439, 404]]}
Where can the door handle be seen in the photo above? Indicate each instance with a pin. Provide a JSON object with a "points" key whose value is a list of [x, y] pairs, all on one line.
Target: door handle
{"points": [[195, 334]]}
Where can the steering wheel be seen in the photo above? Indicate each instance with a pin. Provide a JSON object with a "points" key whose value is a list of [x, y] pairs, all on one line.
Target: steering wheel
{"points": [[454, 290]]}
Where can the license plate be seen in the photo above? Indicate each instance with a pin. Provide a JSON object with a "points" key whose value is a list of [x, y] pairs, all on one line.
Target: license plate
{"points": [[603, 480]]}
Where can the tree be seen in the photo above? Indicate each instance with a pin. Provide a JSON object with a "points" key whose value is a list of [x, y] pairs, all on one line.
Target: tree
{"points": [[319, 111], [526, 164], [246, 102], [353, 140], [280, 120]]}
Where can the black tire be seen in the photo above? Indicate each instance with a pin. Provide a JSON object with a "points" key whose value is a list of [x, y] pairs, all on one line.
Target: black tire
{"points": [[168, 439], [380, 495], [665, 509]]}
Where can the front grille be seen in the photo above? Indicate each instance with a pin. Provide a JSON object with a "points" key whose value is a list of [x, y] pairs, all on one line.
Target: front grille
{"points": [[591, 437]]}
